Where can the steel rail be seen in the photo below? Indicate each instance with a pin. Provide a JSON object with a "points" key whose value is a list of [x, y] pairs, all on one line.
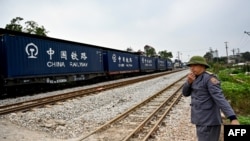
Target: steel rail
{"points": [[126, 113], [26, 105]]}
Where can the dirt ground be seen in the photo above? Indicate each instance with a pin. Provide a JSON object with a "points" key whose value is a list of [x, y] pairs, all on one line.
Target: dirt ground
{"points": [[11, 132]]}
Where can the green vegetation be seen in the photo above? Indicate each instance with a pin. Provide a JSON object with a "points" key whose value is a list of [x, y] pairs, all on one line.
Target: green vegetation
{"points": [[245, 120], [236, 88], [31, 27]]}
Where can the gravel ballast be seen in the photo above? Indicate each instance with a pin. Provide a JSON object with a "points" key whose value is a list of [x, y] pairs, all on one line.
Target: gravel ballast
{"points": [[74, 118]]}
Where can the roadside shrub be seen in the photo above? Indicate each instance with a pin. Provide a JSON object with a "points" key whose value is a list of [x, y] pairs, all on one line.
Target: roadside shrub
{"points": [[245, 120], [224, 75], [238, 94], [246, 68], [236, 71]]}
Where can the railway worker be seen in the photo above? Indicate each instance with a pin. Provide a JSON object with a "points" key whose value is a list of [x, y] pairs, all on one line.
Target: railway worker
{"points": [[207, 100]]}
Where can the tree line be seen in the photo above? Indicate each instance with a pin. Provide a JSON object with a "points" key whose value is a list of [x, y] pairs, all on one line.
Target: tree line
{"points": [[32, 27]]}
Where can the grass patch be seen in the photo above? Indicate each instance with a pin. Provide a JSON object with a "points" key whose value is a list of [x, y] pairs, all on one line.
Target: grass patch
{"points": [[244, 120], [236, 88]]}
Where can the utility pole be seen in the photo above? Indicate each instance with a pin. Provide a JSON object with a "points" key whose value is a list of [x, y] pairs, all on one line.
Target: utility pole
{"points": [[178, 55], [238, 55], [233, 50], [227, 52], [179, 59], [217, 55]]}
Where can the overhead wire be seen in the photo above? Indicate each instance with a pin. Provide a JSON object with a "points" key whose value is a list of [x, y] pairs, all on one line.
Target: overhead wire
{"points": [[245, 41]]}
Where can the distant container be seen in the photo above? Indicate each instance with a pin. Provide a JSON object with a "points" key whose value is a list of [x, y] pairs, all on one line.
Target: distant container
{"points": [[169, 64], [161, 64], [147, 64], [119, 62], [26, 56]]}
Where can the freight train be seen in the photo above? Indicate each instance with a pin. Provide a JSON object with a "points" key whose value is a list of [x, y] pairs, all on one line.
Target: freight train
{"points": [[27, 59]]}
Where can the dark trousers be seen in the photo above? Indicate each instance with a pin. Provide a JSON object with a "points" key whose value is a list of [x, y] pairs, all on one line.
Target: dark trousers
{"points": [[208, 133]]}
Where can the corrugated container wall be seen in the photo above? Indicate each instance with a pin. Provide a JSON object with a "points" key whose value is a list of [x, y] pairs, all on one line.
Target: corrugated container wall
{"points": [[161, 64], [117, 62], [3, 71], [169, 65], [147, 64], [28, 56]]}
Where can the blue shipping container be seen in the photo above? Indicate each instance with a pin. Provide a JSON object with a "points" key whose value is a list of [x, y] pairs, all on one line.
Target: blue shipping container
{"points": [[161, 64], [30, 56], [147, 63], [116, 62], [169, 65]]}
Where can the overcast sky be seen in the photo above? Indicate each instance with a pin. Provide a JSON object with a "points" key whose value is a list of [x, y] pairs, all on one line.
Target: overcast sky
{"points": [[190, 27]]}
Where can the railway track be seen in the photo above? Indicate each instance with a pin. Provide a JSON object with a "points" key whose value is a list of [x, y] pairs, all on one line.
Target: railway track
{"points": [[139, 122], [27, 105]]}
